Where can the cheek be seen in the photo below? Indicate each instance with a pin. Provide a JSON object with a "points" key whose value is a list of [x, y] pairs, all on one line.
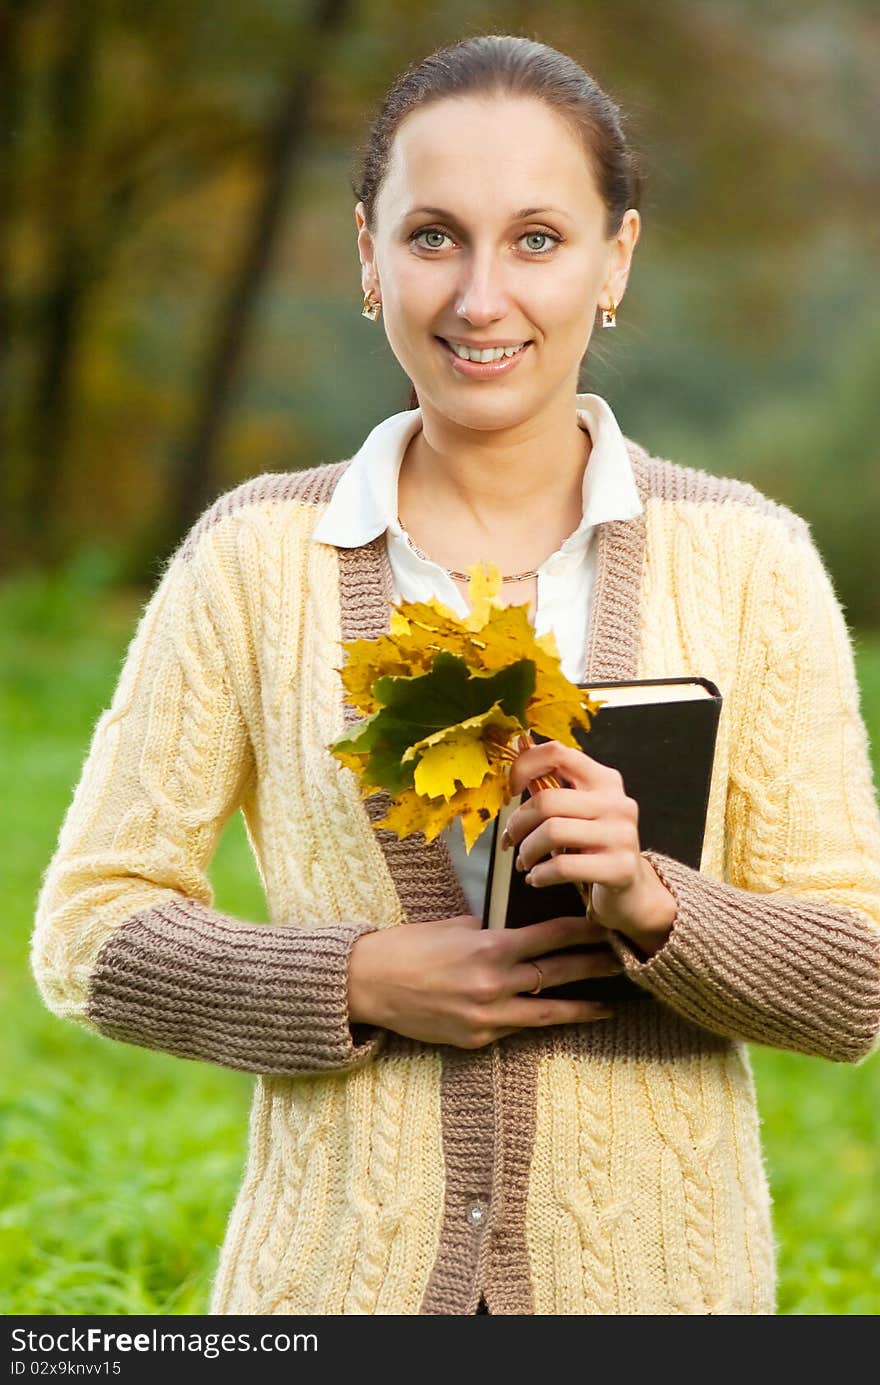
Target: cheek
{"points": [[568, 299], [416, 287]]}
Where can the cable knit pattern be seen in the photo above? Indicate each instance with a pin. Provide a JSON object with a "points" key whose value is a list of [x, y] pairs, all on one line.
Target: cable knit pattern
{"points": [[606, 1168]]}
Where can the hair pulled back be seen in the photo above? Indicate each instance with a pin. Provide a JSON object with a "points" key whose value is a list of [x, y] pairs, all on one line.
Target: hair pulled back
{"points": [[508, 65]]}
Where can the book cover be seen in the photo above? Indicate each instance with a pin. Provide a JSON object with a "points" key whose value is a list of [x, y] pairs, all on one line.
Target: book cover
{"points": [[660, 733]]}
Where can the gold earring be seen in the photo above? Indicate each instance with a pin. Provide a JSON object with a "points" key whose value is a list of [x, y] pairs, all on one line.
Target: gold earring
{"points": [[371, 309], [609, 315]]}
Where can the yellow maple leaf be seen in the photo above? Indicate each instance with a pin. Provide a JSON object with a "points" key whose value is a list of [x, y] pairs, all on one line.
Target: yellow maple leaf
{"points": [[418, 631], [483, 592], [477, 807], [426, 626], [556, 703], [369, 660], [359, 763], [433, 614], [462, 754], [410, 812]]}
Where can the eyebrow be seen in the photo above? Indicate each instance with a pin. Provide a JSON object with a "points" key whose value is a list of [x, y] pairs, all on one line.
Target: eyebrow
{"points": [[450, 216]]}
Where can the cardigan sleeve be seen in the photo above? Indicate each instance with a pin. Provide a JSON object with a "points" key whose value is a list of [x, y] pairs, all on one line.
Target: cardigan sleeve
{"points": [[785, 951], [126, 941]]}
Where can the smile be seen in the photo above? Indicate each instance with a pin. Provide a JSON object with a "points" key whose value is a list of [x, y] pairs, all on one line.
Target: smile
{"points": [[500, 361]]}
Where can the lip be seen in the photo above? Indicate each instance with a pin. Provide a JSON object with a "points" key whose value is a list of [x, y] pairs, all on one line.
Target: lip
{"points": [[485, 345], [483, 370]]}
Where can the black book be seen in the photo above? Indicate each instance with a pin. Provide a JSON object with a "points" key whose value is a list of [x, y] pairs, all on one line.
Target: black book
{"points": [[660, 733]]}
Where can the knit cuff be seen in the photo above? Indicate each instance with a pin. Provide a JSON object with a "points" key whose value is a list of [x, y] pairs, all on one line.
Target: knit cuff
{"points": [[798, 973], [183, 978]]}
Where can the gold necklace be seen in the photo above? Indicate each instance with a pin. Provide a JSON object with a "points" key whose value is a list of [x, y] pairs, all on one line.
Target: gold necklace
{"points": [[462, 576]]}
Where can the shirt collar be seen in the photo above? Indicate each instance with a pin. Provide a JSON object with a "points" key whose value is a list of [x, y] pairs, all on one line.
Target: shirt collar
{"points": [[364, 501]]}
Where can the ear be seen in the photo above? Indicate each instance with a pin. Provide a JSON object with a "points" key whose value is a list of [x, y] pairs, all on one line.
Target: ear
{"points": [[366, 251], [620, 255]]}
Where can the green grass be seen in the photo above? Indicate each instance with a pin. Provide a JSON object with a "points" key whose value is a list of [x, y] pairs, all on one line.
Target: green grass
{"points": [[119, 1165]]}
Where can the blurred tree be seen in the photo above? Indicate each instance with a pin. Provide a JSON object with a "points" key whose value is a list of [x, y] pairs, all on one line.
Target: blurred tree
{"points": [[62, 292], [11, 96], [195, 479], [171, 320]]}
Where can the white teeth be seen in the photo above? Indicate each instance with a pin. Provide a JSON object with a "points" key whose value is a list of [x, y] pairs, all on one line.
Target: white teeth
{"points": [[468, 354]]}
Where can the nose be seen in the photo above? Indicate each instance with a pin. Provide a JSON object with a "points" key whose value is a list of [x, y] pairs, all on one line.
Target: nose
{"points": [[484, 297]]}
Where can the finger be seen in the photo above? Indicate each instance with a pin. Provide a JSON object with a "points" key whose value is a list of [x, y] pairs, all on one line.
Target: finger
{"points": [[604, 865], [557, 803], [559, 970], [533, 939], [552, 757], [472, 921], [529, 1012], [560, 834]]}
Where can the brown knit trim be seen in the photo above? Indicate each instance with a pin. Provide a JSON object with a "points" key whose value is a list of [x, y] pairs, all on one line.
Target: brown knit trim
{"points": [[809, 971], [428, 886], [676, 484], [313, 486], [655, 477], [612, 653], [423, 873], [186, 979]]}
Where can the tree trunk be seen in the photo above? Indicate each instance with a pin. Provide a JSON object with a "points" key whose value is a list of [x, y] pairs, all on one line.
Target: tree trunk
{"points": [[195, 478], [60, 312], [11, 17]]}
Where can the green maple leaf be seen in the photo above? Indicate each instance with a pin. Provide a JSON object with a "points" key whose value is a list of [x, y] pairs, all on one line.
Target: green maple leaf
{"points": [[415, 708]]}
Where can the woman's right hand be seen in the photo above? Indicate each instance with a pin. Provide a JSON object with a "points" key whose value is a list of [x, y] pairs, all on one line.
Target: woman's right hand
{"points": [[451, 981]]}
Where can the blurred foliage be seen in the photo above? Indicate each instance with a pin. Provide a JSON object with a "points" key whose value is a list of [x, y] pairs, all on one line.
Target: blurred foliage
{"points": [[180, 288]]}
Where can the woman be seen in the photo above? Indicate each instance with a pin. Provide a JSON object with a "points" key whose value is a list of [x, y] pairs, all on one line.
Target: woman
{"points": [[428, 1133]]}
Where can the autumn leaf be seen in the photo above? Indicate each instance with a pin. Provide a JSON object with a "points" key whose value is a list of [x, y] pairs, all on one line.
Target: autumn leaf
{"points": [[477, 807], [483, 594], [462, 754], [446, 700], [450, 693], [372, 659], [410, 812]]}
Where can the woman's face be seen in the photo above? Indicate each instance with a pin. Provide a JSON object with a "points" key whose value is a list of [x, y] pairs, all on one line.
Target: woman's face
{"points": [[476, 269]]}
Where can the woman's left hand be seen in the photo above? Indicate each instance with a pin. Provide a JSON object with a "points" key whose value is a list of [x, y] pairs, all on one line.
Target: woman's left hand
{"points": [[595, 824]]}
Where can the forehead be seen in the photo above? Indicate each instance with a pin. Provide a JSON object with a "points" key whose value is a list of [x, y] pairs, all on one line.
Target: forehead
{"points": [[471, 153]]}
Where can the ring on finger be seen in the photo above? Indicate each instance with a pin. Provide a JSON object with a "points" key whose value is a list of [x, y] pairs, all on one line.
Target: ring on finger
{"points": [[537, 989]]}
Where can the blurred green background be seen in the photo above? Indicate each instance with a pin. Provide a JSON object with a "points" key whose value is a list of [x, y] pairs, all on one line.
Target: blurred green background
{"points": [[180, 309]]}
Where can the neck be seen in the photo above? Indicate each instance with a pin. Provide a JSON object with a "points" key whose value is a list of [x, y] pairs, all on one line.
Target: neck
{"points": [[497, 480]]}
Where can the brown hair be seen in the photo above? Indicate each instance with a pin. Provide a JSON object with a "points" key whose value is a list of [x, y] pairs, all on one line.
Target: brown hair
{"points": [[508, 65]]}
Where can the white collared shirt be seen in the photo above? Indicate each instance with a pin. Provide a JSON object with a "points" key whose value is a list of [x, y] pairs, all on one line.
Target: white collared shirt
{"points": [[364, 504]]}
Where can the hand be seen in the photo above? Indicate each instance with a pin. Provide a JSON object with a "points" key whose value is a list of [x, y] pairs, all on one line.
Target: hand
{"points": [[451, 981], [593, 826]]}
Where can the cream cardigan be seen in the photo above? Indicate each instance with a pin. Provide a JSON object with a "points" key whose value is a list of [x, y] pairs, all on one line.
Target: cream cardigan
{"points": [[609, 1168]]}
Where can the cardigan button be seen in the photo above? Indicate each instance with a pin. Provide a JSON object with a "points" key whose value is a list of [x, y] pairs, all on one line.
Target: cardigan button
{"points": [[476, 1213]]}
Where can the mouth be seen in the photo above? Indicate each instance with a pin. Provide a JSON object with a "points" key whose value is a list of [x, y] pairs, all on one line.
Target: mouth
{"points": [[526, 342], [483, 369]]}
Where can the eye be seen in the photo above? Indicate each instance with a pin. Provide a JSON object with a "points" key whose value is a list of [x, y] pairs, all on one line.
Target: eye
{"points": [[544, 235], [429, 231], [528, 235]]}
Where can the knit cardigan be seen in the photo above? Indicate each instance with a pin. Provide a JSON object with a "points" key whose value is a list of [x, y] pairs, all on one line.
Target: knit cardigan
{"points": [[611, 1167]]}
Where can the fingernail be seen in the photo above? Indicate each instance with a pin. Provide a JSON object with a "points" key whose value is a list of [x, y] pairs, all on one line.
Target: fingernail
{"points": [[603, 1014], [520, 865], [506, 843]]}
